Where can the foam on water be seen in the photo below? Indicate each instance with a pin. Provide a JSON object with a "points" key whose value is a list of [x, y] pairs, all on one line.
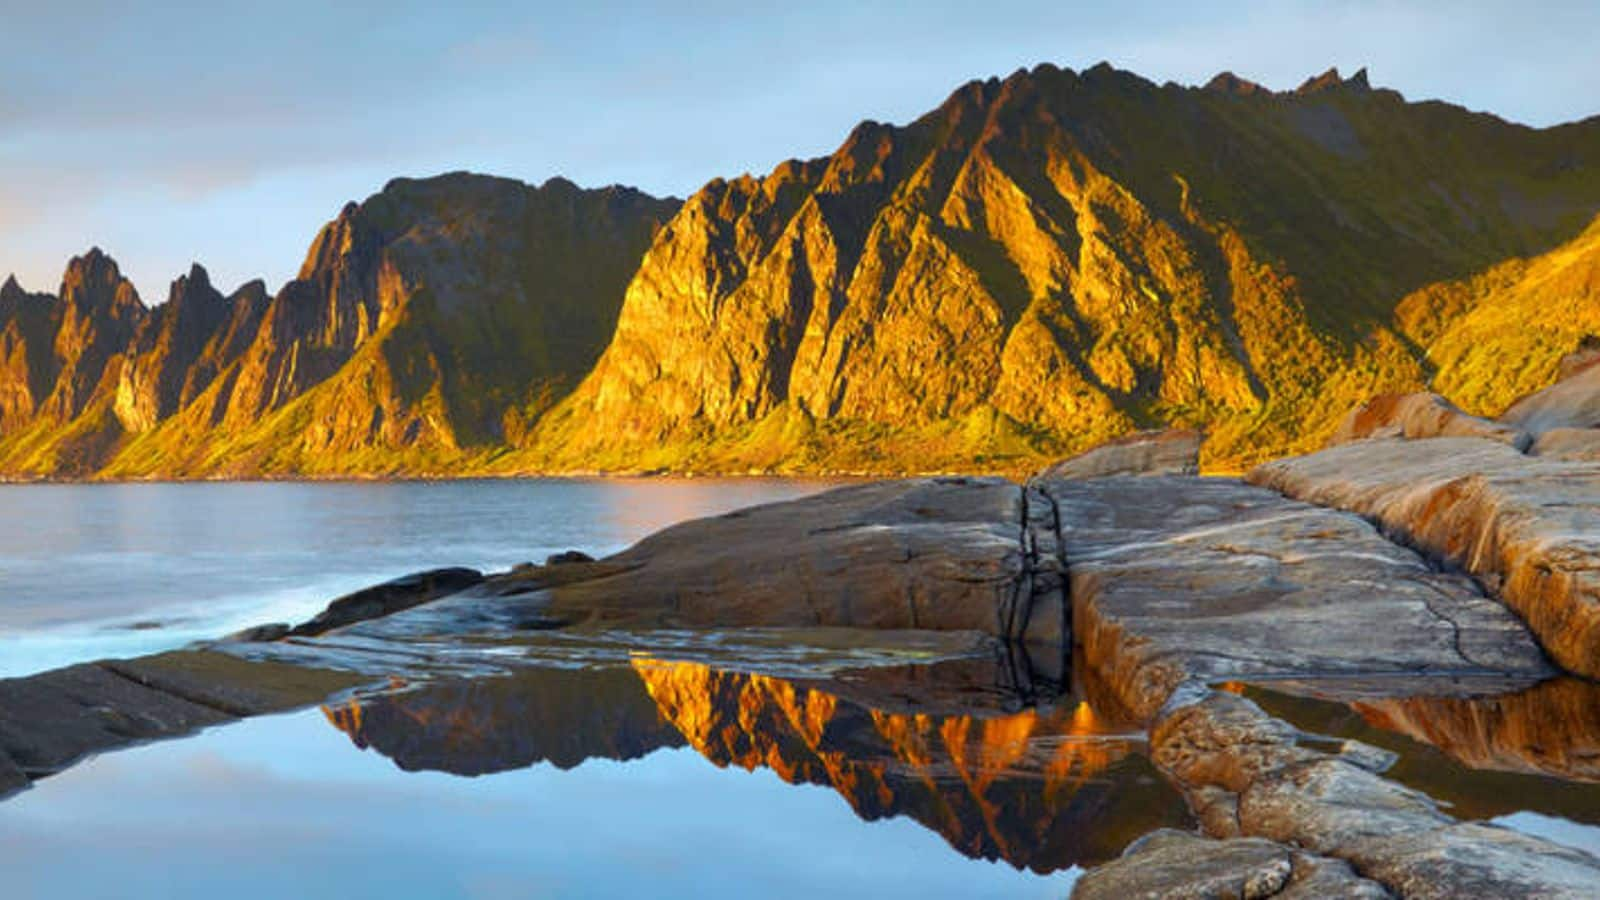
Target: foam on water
{"points": [[95, 571]]}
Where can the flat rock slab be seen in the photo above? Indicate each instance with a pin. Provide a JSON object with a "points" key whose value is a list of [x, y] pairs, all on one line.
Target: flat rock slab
{"points": [[51, 720], [1181, 579], [939, 554], [1169, 864], [1528, 527]]}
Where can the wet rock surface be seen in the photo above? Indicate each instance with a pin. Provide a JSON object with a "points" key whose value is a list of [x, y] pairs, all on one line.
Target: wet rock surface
{"points": [[1178, 579], [1295, 795], [52, 720], [943, 554], [1177, 864], [1529, 528], [1480, 758]]}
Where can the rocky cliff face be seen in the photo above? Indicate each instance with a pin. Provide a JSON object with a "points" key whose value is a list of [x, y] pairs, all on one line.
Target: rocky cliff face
{"points": [[1055, 258], [1041, 263], [427, 325]]}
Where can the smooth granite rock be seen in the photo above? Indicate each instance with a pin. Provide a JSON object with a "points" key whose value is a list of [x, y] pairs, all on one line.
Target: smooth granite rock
{"points": [[1214, 744], [1572, 402], [389, 597], [1178, 865], [941, 554], [1165, 452], [1529, 528], [1177, 579], [1578, 444], [1421, 415], [51, 720]]}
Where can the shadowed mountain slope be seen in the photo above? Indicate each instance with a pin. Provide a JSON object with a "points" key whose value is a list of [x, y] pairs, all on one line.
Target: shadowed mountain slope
{"points": [[425, 328]]}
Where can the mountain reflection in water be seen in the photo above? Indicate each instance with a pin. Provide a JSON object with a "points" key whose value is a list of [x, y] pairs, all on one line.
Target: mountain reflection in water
{"points": [[1040, 789], [1535, 750]]}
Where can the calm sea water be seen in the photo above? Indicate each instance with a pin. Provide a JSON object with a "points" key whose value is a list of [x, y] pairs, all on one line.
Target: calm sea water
{"points": [[93, 571], [285, 807]]}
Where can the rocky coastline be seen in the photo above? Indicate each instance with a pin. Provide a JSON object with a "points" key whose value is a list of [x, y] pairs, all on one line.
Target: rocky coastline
{"points": [[1430, 570]]}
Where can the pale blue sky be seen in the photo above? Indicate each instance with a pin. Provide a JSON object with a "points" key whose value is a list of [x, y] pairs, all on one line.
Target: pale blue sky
{"points": [[227, 133]]}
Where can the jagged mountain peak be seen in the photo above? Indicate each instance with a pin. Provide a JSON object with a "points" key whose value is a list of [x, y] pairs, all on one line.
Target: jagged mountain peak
{"points": [[1226, 82], [1331, 80], [197, 278], [1045, 259], [252, 291], [93, 281]]}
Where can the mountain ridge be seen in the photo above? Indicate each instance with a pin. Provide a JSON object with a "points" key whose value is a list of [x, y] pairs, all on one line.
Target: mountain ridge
{"points": [[1040, 263]]}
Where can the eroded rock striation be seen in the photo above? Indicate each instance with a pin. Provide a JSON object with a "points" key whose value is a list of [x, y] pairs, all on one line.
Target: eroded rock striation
{"points": [[1174, 580], [1528, 527], [1423, 415]]}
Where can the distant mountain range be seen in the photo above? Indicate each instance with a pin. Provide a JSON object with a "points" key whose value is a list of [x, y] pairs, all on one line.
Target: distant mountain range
{"points": [[1041, 263]]}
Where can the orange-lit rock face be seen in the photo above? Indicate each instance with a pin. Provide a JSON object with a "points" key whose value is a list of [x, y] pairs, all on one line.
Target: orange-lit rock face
{"points": [[1041, 790]]}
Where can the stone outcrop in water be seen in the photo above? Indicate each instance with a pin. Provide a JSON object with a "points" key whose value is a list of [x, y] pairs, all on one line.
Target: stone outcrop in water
{"points": [[944, 554], [1255, 778], [388, 598], [52, 720], [1177, 864]]}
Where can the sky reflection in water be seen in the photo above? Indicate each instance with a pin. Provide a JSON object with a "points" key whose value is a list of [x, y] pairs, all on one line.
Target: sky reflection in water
{"points": [[284, 806]]}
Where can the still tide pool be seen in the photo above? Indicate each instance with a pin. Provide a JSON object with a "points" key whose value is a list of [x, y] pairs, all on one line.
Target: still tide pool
{"points": [[105, 570], [285, 807]]}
